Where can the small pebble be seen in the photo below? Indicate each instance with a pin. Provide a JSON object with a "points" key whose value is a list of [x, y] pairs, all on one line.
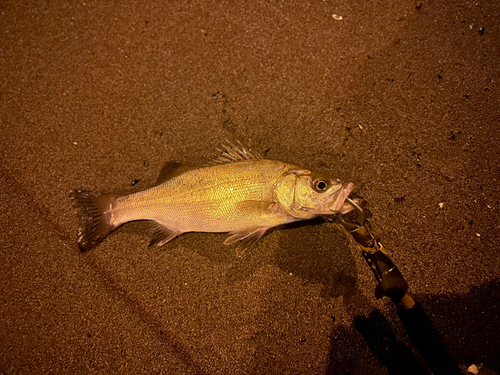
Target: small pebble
{"points": [[473, 369], [337, 17], [441, 205]]}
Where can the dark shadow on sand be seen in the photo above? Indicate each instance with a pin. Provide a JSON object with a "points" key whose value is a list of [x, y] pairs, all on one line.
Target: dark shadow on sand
{"points": [[457, 318], [319, 252]]}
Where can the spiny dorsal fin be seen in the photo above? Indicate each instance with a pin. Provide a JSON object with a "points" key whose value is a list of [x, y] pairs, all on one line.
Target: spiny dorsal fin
{"points": [[171, 170], [231, 153]]}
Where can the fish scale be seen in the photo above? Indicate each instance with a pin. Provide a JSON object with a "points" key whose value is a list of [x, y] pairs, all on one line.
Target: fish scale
{"points": [[208, 199]]}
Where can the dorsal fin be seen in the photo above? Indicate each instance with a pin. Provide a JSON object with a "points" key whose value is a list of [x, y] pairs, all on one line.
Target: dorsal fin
{"points": [[172, 169], [231, 153]]}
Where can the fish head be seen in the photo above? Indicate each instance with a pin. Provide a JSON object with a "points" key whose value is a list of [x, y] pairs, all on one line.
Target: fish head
{"points": [[305, 194]]}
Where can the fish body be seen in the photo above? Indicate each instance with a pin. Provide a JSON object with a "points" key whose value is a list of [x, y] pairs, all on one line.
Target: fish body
{"points": [[240, 193]]}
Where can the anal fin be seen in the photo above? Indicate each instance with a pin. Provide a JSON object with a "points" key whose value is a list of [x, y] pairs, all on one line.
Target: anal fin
{"points": [[162, 234]]}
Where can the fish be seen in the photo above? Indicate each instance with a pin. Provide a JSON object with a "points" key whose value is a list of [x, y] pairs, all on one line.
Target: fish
{"points": [[239, 192]]}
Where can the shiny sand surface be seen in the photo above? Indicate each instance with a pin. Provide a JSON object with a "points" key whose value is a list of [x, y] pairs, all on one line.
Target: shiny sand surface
{"points": [[400, 98]]}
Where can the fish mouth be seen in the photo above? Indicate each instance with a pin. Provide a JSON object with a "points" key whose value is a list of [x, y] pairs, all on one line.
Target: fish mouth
{"points": [[340, 196]]}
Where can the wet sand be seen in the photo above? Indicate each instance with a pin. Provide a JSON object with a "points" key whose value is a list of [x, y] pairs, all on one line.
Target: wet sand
{"points": [[400, 98]]}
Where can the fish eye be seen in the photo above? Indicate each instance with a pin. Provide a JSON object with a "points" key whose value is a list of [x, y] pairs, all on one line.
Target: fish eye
{"points": [[320, 185]]}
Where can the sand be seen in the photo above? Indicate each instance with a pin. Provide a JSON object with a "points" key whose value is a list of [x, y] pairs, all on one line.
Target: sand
{"points": [[400, 98]]}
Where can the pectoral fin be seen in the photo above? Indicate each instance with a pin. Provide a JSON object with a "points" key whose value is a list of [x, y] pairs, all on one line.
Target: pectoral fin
{"points": [[252, 207], [162, 235], [248, 238]]}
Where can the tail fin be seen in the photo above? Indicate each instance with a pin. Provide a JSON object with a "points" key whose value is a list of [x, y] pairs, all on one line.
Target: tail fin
{"points": [[94, 213]]}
